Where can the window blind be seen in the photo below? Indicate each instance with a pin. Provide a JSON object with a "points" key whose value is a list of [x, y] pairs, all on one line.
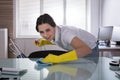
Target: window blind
{"points": [[64, 12]]}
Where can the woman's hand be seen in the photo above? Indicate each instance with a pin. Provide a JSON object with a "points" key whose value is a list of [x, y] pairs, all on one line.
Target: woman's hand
{"points": [[42, 42]]}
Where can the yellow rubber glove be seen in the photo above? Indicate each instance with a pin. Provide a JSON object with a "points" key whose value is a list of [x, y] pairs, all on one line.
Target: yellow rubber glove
{"points": [[70, 56], [42, 42]]}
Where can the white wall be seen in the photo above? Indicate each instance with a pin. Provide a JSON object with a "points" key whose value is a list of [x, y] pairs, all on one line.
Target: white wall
{"points": [[111, 13]]}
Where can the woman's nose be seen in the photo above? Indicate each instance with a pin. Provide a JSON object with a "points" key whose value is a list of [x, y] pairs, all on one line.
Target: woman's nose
{"points": [[46, 35]]}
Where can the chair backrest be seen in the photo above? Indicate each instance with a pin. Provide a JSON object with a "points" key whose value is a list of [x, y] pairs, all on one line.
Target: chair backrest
{"points": [[42, 54]]}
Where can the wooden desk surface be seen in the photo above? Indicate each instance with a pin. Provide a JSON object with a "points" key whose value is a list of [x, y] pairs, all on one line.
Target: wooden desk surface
{"points": [[113, 50]]}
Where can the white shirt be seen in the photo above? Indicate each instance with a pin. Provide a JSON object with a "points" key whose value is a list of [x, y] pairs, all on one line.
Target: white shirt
{"points": [[65, 34]]}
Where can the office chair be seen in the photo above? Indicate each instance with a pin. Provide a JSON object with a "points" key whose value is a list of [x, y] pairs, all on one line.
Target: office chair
{"points": [[43, 54]]}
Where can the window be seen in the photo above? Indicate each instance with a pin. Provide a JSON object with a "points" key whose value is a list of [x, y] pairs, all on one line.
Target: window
{"points": [[76, 13], [64, 12]]}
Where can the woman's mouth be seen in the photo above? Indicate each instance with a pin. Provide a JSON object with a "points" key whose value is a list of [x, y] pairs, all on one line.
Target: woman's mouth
{"points": [[48, 38]]}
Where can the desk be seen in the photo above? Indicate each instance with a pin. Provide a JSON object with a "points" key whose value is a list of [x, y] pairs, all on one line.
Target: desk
{"points": [[82, 69], [111, 49]]}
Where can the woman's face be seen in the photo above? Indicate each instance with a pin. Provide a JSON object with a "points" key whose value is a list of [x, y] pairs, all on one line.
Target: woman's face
{"points": [[47, 31]]}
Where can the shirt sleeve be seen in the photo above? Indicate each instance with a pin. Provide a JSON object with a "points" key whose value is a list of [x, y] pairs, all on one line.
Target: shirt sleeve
{"points": [[67, 36]]}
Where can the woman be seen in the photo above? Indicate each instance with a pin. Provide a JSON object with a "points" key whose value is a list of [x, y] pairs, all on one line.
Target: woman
{"points": [[78, 42]]}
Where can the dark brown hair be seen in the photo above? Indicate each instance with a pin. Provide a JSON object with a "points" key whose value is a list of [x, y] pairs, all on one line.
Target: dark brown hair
{"points": [[45, 18]]}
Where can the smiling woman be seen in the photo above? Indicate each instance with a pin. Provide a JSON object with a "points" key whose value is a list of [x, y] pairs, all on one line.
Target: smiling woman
{"points": [[43, 25], [46, 31], [78, 43]]}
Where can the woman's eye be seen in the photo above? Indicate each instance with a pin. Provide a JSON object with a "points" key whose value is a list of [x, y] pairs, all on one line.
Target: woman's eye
{"points": [[47, 30], [41, 32]]}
